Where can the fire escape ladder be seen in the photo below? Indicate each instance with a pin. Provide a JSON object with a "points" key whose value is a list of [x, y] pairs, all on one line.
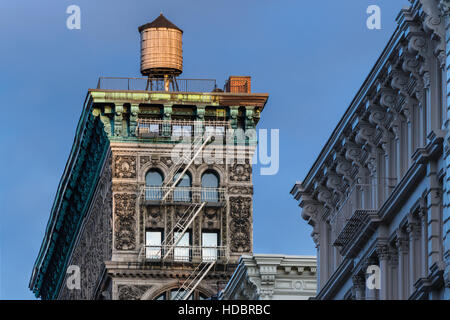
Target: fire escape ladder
{"points": [[194, 279], [181, 226], [197, 147], [170, 242]]}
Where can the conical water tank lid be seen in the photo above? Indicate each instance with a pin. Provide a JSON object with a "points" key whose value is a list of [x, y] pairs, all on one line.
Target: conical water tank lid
{"points": [[160, 22]]}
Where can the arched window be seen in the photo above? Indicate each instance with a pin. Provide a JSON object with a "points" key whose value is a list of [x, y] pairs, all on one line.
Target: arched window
{"points": [[182, 190], [210, 185], [153, 185]]}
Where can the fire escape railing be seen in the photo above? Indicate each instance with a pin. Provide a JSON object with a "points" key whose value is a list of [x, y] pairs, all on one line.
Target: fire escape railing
{"points": [[182, 253], [151, 128], [185, 194], [170, 249], [363, 199]]}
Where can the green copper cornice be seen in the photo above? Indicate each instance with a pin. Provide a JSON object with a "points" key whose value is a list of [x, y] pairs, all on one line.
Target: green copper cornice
{"points": [[73, 197], [109, 96]]}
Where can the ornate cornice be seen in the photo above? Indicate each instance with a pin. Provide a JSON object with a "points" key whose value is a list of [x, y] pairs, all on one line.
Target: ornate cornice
{"points": [[72, 201]]}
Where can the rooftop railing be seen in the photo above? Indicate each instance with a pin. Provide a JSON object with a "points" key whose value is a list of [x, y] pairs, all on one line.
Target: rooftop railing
{"points": [[186, 253], [157, 84]]}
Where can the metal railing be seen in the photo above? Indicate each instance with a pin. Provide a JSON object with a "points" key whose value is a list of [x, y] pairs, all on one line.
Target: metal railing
{"points": [[362, 199], [182, 253], [157, 84], [185, 194], [148, 128]]}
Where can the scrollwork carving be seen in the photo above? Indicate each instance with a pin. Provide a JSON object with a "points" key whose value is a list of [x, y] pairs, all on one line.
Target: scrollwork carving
{"points": [[125, 166], [240, 172], [132, 292], [125, 221], [240, 228], [240, 190]]}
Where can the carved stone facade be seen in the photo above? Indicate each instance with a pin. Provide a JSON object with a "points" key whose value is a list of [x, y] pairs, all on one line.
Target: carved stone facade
{"points": [[272, 277], [124, 166], [132, 292], [93, 246], [240, 228], [125, 221], [375, 194]]}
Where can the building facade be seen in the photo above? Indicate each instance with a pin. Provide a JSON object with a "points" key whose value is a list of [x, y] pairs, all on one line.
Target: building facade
{"points": [[156, 198], [272, 277], [377, 195]]}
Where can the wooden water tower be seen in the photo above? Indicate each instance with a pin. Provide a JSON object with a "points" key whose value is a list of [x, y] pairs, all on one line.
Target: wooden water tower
{"points": [[161, 52]]}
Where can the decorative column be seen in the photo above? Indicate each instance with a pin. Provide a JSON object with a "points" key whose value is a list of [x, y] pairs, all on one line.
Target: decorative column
{"points": [[249, 121], [410, 106], [118, 120], [134, 111], [234, 111], [199, 123], [402, 277], [359, 286], [167, 117], [371, 294], [383, 257], [424, 240], [445, 8], [413, 229], [434, 215], [393, 274]]}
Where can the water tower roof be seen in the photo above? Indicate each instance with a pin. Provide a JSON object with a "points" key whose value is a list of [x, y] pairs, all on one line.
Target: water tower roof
{"points": [[160, 22]]}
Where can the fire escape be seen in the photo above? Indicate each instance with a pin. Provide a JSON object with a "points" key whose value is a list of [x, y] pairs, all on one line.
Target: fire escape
{"points": [[172, 237]]}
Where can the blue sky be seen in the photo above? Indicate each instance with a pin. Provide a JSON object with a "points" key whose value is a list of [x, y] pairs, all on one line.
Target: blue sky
{"points": [[310, 56]]}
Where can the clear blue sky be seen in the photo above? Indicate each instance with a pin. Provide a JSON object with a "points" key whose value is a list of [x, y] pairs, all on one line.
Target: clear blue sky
{"points": [[310, 56]]}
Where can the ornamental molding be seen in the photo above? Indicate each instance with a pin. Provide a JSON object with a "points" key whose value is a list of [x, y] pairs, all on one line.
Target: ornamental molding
{"points": [[335, 183], [240, 225], [125, 221], [382, 250], [240, 172], [435, 24], [247, 190], [345, 168], [132, 292], [400, 81], [124, 166], [378, 115], [325, 196], [365, 133], [401, 242], [354, 153], [388, 98]]}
